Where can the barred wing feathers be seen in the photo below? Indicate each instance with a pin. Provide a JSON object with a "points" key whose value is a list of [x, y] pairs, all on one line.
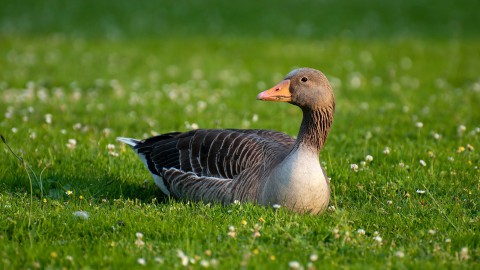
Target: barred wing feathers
{"points": [[214, 165]]}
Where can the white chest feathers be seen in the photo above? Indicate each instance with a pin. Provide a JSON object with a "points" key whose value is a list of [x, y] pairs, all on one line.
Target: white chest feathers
{"points": [[298, 183]]}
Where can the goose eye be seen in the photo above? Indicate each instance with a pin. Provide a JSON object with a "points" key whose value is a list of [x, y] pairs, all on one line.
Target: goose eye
{"points": [[304, 79]]}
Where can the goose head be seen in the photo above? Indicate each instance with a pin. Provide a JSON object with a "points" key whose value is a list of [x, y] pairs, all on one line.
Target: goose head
{"points": [[305, 87]]}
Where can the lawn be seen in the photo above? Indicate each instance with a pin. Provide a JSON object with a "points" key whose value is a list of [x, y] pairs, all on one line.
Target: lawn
{"points": [[75, 75]]}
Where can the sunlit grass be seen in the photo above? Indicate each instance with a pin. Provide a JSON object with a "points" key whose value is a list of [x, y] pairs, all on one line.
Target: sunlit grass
{"points": [[402, 154]]}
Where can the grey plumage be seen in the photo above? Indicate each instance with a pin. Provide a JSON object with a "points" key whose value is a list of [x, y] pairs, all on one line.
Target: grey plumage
{"points": [[246, 165]]}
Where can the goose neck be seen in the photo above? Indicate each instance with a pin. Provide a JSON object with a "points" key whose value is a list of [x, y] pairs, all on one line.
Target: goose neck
{"points": [[314, 128]]}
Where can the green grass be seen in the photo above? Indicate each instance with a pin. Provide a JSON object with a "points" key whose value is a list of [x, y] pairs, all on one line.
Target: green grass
{"points": [[122, 69]]}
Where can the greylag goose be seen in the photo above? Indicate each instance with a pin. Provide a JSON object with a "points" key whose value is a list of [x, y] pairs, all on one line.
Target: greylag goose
{"points": [[260, 166]]}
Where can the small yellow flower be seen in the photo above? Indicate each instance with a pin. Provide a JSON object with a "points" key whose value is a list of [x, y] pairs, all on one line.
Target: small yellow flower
{"points": [[44, 200], [244, 222], [261, 220], [53, 254], [69, 192], [272, 257], [460, 149], [256, 251], [80, 197]]}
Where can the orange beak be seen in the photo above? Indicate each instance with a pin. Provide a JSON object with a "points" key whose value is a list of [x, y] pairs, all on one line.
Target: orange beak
{"points": [[279, 92]]}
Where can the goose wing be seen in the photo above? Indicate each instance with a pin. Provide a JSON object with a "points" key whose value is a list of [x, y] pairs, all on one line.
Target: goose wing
{"points": [[213, 165]]}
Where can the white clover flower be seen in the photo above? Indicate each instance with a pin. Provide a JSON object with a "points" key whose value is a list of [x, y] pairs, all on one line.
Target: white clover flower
{"points": [[48, 118], [470, 147], [81, 214], [214, 263], [77, 126], [294, 265], [461, 129], [386, 151], [432, 232], [361, 231], [400, 254], [139, 235], [139, 242], [276, 206], [256, 231], [255, 118], [111, 150], [201, 105], [419, 124], [423, 163], [369, 158], [355, 81], [378, 238], [464, 254], [313, 257], [231, 232], [419, 191], [72, 143], [141, 261], [106, 131], [354, 167], [183, 257], [205, 263]]}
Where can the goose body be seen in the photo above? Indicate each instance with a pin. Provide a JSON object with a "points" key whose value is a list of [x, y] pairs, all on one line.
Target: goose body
{"points": [[261, 166]]}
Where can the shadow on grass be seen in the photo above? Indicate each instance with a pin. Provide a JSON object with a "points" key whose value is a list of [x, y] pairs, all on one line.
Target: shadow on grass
{"points": [[93, 188], [58, 184]]}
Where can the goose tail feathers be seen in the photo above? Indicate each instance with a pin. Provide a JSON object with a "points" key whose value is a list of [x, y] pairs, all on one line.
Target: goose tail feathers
{"points": [[129, 141]]}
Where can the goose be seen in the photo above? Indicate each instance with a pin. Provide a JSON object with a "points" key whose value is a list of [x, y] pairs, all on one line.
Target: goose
{"points": [[249, 165]]}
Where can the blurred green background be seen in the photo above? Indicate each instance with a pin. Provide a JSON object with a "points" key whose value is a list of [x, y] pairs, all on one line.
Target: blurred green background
{"points": [[324, 19]]}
